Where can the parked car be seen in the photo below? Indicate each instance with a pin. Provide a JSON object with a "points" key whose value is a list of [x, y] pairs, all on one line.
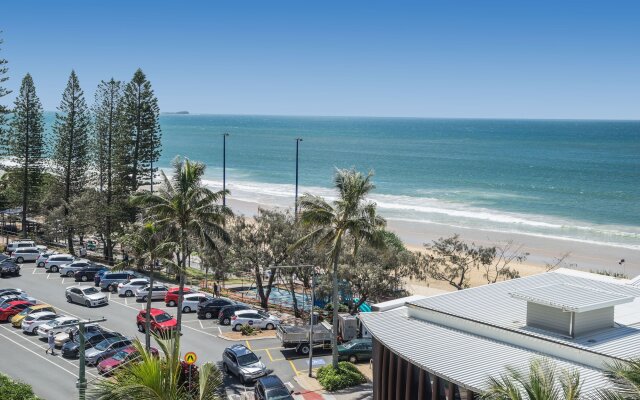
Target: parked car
{"points": [[87, 274], [9, 268], [23, 254], [158, 292], [74, 266], [238, 360], [161, 321], [11, 247], [129, 288], [226, 312], [63, 337], [12, 297], [13, 308], [55, 261], [16, 320], [87, 295], [105, 349], [126, 355], [171, 298], [355, 350], [92, 245], [190, 302], [211, 308], [110, 280], [42, 258], [59, 324], [10, 291], [271, 387], [257, 319], [32, 322], [72, 349], [98, 277]]}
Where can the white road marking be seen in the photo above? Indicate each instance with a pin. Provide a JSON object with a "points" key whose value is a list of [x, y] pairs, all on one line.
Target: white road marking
{"points": [[220, 330], [39, 355], [63, 280], [201, 326]]}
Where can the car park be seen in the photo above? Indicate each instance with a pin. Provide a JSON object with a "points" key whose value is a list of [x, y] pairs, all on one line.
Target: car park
{"points": [[210, 309], [9, 268], [87, 295], [161, 321], [11, 247], [42, 258], [105, 349], [238, 360], [71, 268], [271, 387], [56, 261], [32, 322], [110, 280], [226, 312], [355, 350], [16, 320], [126, 355], [87, 274], [13, 308], [254, 318], [25, 254], [57, 325], [158, 292], [190, 302], [171, 298], [72, 349], [129, 288]]}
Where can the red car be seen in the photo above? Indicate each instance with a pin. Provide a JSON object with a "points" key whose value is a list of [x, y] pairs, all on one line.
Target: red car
{"points": [[13, 308], [171, 298], [161, 321], [128, 354]]}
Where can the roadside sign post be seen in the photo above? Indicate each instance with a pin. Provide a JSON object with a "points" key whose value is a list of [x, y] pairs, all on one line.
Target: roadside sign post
{"points": [[190, 358], [81, 384]]}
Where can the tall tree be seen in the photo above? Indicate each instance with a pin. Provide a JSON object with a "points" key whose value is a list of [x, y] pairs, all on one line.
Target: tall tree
{"points": [[4, 110], [26, 144], [351, 215], [141, 114], [71, 149]]}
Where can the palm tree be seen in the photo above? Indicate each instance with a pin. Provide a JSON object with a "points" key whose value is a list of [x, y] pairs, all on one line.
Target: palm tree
{"points": [[350, 215], [153, 378], [541, 383], [625, 379], [189, 210]]}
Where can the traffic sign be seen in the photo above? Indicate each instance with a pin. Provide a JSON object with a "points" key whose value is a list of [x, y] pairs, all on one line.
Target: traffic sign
{"points": [[190, 357]]}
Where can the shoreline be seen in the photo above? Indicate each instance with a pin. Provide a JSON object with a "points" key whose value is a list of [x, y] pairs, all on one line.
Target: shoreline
{"points": [[583, 256]]}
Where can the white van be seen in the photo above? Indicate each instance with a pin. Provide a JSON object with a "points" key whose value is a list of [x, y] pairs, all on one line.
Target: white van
{"points": [[11, 247], [23, 254]]}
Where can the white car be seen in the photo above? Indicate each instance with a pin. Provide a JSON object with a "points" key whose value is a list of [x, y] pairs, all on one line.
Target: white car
{"points": [[257, 319], [42, 258], [54, 262], [191, 301], [23, 254], [157, 292], [60, 324], [128, 289], [32, 322], [11, 247]]}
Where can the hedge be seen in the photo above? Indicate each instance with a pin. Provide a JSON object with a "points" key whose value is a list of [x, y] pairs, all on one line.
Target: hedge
{"points": [[14, 390], [346, 375]]}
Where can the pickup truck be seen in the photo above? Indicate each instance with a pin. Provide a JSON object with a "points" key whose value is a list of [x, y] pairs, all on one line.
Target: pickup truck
{"points": [[297, 337]]}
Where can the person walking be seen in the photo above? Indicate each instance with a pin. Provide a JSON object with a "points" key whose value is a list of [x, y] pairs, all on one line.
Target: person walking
{"points": [[71, 335], [51, 340], [215, 289]]}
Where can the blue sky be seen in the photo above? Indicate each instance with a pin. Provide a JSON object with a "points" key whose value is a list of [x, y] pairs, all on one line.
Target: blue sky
{"points": [[507, 59]]}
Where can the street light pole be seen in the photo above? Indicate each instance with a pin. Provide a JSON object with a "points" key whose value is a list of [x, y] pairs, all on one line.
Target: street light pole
{"points": [[298, 140], [82, 380], [224, 169]]}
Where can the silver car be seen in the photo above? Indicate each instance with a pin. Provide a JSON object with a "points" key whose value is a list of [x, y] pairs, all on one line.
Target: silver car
{"points": [[158, 292], [87, 295], [70, 269], [105, 349], [243, 363]]}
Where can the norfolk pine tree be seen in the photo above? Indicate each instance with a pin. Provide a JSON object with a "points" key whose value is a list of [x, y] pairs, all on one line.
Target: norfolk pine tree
{"points": [[71, 149], [4, 110], [141, 113], [26, 144]]}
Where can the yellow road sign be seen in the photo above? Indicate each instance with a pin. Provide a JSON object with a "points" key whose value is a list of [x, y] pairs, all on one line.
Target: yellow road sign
{"points": [[190, 357]]}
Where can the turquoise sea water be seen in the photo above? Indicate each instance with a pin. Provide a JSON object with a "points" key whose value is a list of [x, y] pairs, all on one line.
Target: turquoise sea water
{"points": [[566, 179]]}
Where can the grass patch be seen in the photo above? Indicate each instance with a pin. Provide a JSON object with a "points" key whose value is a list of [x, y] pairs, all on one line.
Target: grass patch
{"points": [[13, 390], [346, 375]]}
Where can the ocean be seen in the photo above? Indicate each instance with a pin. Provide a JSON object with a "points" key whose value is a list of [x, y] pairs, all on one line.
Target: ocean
{"points": [[564, 179]]}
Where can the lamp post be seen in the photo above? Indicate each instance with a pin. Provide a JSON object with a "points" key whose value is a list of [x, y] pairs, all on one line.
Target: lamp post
{"points": [[298, 140], [224, 169]]}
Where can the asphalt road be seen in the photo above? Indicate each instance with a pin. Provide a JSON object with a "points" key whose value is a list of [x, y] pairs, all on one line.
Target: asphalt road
{"points": [[54, 378]]}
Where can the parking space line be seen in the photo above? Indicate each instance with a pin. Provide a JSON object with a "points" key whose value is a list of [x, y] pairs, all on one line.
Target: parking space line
{"points": [[269, 354], [248, 344], [201, 326], [295, 370], [220, 330], [40, 355]]}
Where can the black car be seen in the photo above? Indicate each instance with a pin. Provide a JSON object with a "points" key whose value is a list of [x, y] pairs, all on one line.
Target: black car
{"points": [[9, 268], [89, 273], [71, 349], [226, 312], [271, 387], [211, 308]]}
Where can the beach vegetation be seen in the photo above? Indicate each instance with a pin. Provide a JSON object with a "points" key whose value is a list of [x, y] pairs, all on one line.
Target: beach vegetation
{"points": [[342, 376], [14, 390]]}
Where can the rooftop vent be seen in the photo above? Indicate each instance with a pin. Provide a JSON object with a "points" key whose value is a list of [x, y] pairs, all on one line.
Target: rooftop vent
{"points": [[570, 309]]}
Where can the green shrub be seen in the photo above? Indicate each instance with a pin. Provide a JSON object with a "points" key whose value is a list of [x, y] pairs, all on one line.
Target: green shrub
{"points": [[13, 390], [346, 375], [248, 330]]}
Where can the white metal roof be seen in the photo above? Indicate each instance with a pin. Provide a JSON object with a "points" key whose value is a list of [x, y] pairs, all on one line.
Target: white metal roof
{"points": [[574, 298]]}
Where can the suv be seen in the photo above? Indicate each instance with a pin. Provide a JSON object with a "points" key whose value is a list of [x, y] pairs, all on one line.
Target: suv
{"points": [[87, 295], [110, 280], [8, 267], [77, 265], [355, 350], [257, 319], [53, 263], [88, 273], [42, 258], [211, 309], [13, 246], [161, 321], [25, 254], [238, 360], [271, 388]]}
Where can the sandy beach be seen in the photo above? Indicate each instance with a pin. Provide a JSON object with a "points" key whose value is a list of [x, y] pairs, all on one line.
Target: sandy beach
{"points": [[583, 256]]}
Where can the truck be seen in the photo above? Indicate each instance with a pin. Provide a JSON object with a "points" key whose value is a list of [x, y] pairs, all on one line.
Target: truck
{"points": [[297, 337]]}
